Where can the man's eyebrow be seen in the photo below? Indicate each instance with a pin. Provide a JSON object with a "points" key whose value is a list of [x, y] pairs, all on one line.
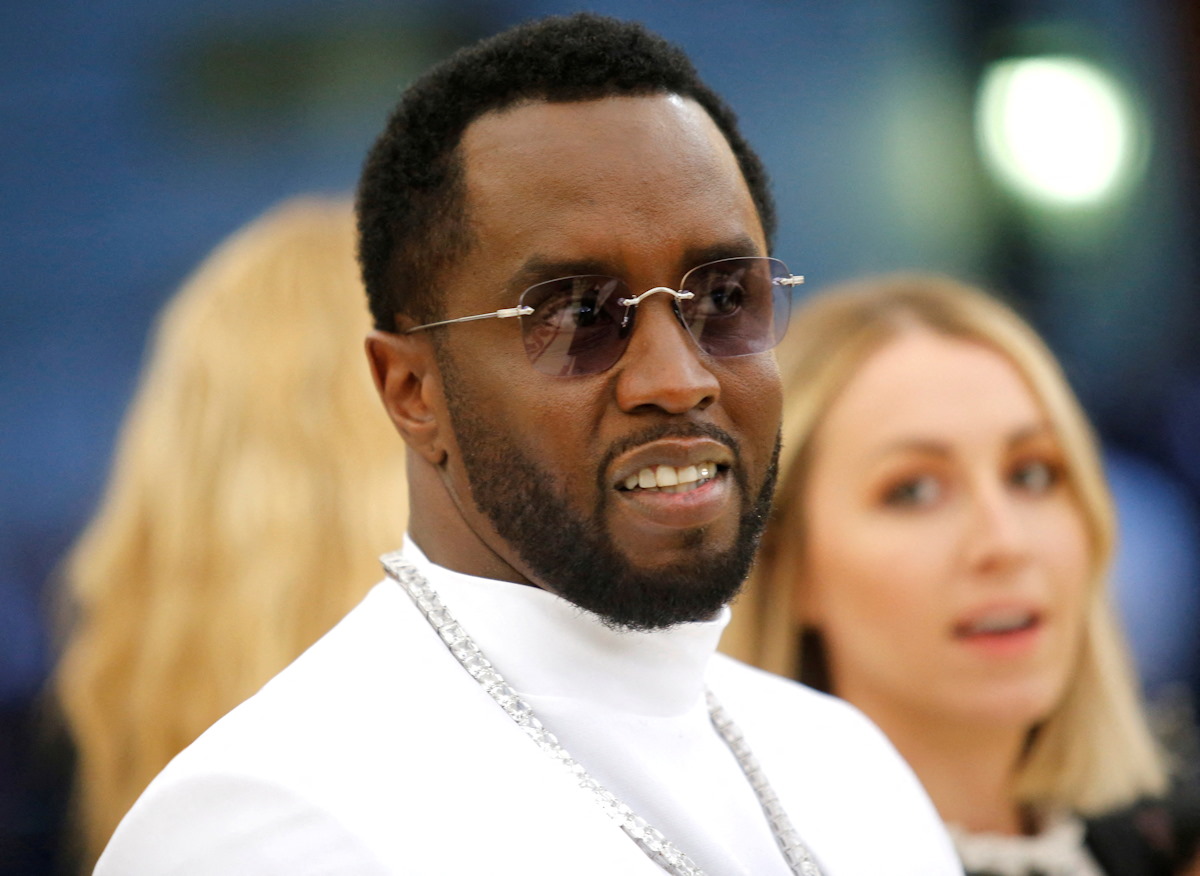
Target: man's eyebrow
{"points": [[539, 268], [736, 247]]}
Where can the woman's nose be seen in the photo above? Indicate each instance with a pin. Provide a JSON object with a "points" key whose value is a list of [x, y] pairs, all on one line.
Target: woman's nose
{"points": [[999, 530]]}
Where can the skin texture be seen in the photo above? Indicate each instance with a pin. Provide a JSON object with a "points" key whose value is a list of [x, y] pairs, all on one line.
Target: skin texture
{"points": [[936, 499], [511, 468]]}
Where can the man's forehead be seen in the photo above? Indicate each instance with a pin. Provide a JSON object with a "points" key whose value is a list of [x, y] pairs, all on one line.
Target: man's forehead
{"points": [[621, 186], [620, 153], [555, 112], [577, 130]]}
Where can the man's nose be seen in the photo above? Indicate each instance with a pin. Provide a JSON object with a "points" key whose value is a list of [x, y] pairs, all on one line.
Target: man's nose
{"points": [[663, 367]]}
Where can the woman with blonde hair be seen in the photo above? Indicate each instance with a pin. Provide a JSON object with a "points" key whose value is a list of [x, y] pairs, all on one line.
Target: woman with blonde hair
{"points": [[937, 556], [254, 483]]}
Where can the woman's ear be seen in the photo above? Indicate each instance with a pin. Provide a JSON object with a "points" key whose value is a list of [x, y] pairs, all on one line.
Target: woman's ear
{"points": [[407, 380], [805, 598]]}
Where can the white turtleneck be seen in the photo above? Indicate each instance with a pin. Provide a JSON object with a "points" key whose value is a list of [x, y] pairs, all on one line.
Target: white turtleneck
{"points": [[627, 705], [376, 754]]}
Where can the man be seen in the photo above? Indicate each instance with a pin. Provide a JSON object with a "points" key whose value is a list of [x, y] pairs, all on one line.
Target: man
{"points": [[564, 243]]}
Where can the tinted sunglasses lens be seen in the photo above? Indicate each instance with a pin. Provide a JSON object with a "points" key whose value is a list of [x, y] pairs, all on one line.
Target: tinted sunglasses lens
{"points": [[575, 327], [738, 308]]}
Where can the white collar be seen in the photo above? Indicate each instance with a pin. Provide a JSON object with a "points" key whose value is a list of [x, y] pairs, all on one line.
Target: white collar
{"points": [[546, 646], [1058, 849]]}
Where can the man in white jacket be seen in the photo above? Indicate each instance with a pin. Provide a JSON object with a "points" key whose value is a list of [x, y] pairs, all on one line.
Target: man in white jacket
{"points": [[565, 246]]}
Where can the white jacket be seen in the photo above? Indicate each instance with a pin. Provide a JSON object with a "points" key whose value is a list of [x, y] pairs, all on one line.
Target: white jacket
{"points": [[376, 753]]}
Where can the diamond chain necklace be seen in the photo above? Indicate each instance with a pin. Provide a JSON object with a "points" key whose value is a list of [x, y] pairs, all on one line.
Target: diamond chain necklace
{"points": [[651, 841]]}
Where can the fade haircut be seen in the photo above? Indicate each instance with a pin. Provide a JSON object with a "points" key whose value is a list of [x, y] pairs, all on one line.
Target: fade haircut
{"points": [[411, 198]]}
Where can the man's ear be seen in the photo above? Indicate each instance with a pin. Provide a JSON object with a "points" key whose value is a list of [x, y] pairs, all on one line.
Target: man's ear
{"points": [[406, 378]]}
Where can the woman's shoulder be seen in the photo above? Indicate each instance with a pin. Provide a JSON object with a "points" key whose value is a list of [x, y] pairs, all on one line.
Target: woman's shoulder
{"points": [[1153, 837]]}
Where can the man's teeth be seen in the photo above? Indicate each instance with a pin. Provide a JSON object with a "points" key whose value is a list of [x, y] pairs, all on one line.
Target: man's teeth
{"points": [[670, 479], [1000, 622]]}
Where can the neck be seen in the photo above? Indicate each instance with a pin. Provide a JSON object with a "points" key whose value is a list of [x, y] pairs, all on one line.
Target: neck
{"points": [[439, 524], [968, 771]]}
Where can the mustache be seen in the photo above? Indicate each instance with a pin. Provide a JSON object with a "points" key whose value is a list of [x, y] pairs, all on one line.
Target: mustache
{"points": [[669, 430]]}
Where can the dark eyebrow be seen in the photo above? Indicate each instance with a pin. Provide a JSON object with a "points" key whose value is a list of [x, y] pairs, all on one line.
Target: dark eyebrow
{"points": [[539, 268], [737, 247]]}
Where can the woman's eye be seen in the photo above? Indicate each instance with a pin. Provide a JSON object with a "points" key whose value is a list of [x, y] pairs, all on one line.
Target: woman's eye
{"points": [[914, 492], [1037, 476]]}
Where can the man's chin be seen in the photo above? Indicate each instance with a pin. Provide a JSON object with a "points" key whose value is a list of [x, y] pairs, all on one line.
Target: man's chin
{"points": [[648, 597], [664, 550]]}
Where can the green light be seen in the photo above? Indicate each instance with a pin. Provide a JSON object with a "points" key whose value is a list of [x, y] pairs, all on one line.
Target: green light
{"points": [[1056, 129]]}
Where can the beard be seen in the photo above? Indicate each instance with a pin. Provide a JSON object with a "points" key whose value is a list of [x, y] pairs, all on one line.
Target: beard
{"points": [[574, 553]]}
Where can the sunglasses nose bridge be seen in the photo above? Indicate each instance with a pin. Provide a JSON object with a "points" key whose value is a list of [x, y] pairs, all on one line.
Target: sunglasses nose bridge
{"points": [[677, 295]]}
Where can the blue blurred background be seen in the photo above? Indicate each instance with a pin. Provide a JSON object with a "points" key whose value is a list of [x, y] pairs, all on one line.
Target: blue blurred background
{"points": [[138, 133]]}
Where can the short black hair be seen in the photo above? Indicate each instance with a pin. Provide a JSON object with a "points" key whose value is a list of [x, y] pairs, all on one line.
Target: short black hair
{"points": [[411, 195]]}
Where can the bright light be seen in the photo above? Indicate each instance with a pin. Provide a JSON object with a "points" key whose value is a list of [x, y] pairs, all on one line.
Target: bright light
{"points": [[1056, 128]]}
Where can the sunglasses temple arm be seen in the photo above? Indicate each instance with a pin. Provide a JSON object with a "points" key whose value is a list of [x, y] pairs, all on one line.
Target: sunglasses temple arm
{"points": [[502, 313]]}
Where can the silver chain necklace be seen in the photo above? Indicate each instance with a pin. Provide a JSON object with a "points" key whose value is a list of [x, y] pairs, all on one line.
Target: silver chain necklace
{"points": [[651, 841]]}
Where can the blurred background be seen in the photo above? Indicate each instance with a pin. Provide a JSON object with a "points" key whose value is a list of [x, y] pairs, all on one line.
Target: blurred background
{"points": [[1049, 150]]}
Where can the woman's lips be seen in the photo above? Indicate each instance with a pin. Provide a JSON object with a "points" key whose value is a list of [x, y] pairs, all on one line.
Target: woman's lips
{"points": [[1007, 631]]}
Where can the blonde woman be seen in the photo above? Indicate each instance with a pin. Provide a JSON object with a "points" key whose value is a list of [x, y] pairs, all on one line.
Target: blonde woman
{"points": [[937, 556], [254, 482]]}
